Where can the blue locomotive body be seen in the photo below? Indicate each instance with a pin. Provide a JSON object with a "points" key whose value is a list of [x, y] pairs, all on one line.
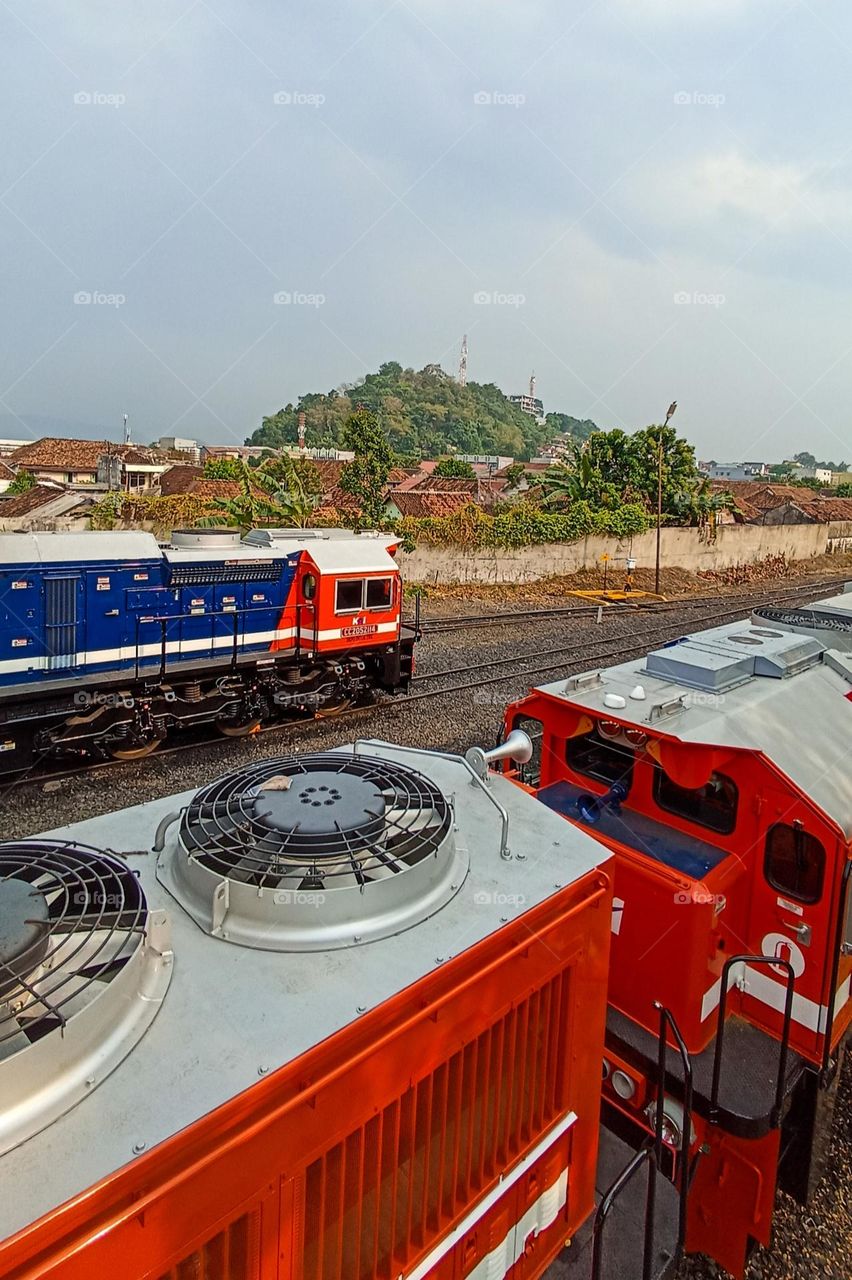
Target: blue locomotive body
{"points": [[110, 641], [101, 603]]}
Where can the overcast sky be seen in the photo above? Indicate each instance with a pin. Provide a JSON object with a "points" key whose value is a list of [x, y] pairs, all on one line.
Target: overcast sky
{"points": [[639, 199]]}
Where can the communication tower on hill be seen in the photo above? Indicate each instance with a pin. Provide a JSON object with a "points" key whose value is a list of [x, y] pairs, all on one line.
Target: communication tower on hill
{"points": [[463, 363]]}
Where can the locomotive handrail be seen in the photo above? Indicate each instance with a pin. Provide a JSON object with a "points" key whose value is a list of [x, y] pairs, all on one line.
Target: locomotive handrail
{"points": [[645, 1152], [667, 1018], [774, 962], [652, 1151], [845, 889]]}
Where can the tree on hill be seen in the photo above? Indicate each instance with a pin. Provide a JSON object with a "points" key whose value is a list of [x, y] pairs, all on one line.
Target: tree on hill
{"points": [[423, 413], [454, 469], [576, 428], [366, 476]]}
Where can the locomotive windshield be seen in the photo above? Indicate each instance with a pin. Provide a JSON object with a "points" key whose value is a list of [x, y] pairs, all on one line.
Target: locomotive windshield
{"points": [[606, 762]]}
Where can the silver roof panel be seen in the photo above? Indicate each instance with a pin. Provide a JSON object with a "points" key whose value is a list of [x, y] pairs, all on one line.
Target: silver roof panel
{"points": [[55, 548]]}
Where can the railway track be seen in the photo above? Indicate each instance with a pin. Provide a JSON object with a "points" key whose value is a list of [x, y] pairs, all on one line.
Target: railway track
{"points": [[579, 654], [612, 608]]}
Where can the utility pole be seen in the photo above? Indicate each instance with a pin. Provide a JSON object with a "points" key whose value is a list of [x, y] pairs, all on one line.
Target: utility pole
{"points": [[669, 416]]}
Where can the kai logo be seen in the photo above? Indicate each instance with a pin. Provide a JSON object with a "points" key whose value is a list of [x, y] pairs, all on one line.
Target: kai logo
{"points": [[783, 948]]}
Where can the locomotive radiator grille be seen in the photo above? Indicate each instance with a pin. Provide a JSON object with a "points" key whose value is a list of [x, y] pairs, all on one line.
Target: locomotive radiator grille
{"points": [[232, 1254], [394, 1186]]}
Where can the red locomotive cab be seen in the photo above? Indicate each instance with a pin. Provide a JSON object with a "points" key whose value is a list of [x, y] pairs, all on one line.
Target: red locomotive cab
{"points": [[731, 909]]}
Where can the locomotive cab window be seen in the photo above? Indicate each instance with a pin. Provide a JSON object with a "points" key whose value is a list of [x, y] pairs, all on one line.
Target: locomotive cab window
{"points": [[309, 586], [713, 806], [794, 862], [606, 762], [350, 593], [379, 593]]}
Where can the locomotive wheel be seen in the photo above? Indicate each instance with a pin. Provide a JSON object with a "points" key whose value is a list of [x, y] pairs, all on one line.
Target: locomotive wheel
{"points": [[235, 729], [135, 750], [327, 712]]}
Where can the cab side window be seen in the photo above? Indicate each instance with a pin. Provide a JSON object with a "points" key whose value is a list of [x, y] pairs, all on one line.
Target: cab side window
{"points": [[713, 806], [378, 593], [349, 595], [794, 862]]}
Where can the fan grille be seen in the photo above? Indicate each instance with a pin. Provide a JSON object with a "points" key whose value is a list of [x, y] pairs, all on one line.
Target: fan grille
{"points": [[307, 853], [316, 821], [70, 917]]}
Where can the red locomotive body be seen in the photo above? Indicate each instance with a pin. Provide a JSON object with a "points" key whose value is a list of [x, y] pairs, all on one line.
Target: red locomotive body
{"points": [[710, 769], [378, 1053]]}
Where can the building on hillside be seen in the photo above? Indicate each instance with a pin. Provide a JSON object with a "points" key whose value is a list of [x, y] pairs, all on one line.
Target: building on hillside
{"points": [[491, 462], [840, 477], [9, 446], [319, 455], [531, 405]]}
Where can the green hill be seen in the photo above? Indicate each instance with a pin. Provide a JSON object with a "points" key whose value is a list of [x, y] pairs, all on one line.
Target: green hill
{"points": [[423, 413]]}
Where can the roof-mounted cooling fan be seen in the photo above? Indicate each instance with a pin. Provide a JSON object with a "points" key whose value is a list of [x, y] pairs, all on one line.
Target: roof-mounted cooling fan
{"points": [[83, 968], [317, 851]]}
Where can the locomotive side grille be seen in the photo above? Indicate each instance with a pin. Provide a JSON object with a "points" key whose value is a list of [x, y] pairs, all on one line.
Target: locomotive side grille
{"points": [[232, 1254], [200, 575], [60, 621], [395, 1185]]}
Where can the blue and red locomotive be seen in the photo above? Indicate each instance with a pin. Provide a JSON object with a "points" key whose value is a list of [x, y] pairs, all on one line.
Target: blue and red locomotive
{"points": [[109, 641]]}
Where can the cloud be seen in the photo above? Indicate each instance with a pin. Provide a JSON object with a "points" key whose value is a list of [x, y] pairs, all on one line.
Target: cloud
{"points": [[783, 195]]}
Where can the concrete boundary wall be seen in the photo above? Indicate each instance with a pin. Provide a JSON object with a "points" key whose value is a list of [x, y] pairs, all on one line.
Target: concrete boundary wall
{"points": [[680, 549]]}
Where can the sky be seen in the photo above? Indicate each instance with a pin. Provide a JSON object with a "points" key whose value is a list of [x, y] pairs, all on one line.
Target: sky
{"points": [[209, 207]]}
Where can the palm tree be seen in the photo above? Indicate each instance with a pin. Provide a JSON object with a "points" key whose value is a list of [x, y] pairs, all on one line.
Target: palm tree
{"points": [[699, 507], [571, 481], [263, 500]]}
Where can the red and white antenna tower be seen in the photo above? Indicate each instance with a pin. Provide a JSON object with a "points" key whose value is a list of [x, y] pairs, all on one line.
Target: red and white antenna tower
{"points": [[301, 421], [463, 363], [532, 386]]}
